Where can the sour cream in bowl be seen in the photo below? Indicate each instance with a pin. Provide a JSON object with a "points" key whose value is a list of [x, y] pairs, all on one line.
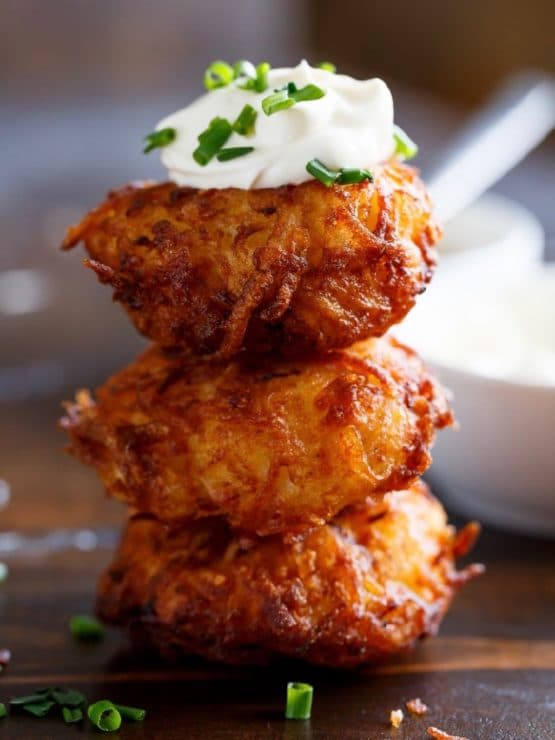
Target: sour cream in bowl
{"points": [[492, 343]]}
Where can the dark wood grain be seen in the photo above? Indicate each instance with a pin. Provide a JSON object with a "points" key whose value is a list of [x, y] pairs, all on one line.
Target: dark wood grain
{"points": [[490, 674]]}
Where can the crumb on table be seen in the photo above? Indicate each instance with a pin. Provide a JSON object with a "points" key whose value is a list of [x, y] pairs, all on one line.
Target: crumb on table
{"points": [[417, 706], [441, 735], [396, 716]]}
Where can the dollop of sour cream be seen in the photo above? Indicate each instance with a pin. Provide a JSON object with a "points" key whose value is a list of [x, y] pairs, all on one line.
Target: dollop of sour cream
{"points": [[350, 126]]}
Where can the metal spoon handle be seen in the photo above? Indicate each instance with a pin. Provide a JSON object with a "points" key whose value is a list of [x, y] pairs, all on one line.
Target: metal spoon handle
{"points": [[496, 139]]}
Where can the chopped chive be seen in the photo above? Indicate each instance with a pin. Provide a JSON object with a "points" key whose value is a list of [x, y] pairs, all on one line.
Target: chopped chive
{"points": [[84, 628], [38, 696], [244, 124], [277, 101], [244, 73], [308, 92], [350, 175], [405, 148], [3, 572], [72, 714], [319, 170], [68, 697], [131, 713], [345, 176], [212, 140], [328, 67], [218, 74], [104, 715], [159, 139], [3, 710], [288, 95], [40, 709], [224, 155], [299, 701], [261, 82]]}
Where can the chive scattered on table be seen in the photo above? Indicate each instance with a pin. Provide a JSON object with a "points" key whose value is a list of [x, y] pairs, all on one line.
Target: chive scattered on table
{"points": [[72, 714], [104, 715], [40, 708], [86, 628], [134, 714], [299, 700]]}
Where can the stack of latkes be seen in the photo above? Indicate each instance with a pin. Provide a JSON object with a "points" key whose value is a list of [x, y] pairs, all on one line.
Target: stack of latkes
{"points": [[270, 443]]}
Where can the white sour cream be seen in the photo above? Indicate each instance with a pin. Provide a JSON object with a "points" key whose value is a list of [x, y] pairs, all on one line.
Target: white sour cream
{"points": [[501, 330], [351, 126]]}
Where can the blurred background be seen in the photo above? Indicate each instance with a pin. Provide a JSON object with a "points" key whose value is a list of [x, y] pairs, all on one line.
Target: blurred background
{"points": [[81, 83]]}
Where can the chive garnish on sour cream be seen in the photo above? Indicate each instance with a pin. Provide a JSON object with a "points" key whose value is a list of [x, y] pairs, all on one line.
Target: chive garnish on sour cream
{"points": [[158, 139], [224, 155], [288, 95], [243, 73], [405, 147], [218, 74], [212, 140], [244, 124], [344, 176]]}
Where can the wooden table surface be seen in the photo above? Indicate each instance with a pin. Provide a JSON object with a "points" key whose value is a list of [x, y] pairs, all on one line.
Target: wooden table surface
{"points": [[490, 674]]}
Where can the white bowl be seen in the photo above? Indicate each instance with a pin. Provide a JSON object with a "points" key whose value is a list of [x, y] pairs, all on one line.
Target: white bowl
{"points": [[487, 325], [495, 235], [499, 466]]}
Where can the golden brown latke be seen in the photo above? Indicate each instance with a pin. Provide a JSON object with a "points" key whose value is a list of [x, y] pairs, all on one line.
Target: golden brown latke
{"points": [[273, 445], [294, 268], [354, 591]]}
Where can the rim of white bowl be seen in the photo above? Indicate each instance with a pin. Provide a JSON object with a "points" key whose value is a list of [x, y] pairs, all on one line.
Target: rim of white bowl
{"points": [[517, 223]]}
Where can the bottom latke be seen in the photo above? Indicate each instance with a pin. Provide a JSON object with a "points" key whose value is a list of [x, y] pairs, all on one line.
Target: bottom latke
{"points": [[352, 592]]}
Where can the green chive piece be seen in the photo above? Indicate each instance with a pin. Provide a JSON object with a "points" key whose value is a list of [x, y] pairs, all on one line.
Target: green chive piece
{"points": [[261, 82], [327, 67], [349, 175], [224, 155], [85, 628], [3, 572], [299, 701], [134, 714], [244, 72], [159, 139], [308, 92], [35, 698], [40, 709], [277, 101], [104, 715], [405, 147], [72, 714], [288, 95], [218, 74], [68, 697], [212, 140], [319, 170], [244, 124], [3, 710]]}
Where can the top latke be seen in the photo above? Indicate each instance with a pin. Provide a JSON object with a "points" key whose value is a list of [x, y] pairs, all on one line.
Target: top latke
{"points": [[295, 268]]}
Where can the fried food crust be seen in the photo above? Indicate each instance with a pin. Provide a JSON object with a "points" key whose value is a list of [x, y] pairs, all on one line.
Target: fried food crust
{"points": [[273, 445], [297, 268], [354, 591]]}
